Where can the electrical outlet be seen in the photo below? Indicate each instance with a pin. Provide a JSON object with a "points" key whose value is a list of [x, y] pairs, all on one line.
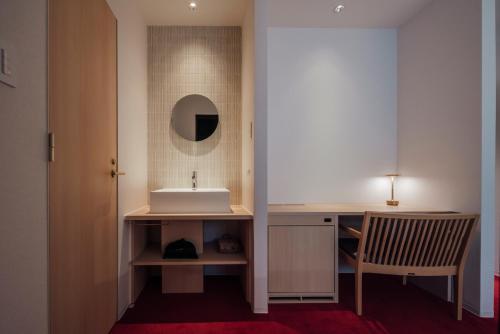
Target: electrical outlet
{"points": [[7, 68]]}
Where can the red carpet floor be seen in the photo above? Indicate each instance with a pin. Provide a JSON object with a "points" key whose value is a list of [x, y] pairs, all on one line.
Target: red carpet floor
{"points": [[389, 307]]}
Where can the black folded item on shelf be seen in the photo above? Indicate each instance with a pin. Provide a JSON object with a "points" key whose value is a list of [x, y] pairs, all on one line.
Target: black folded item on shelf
{"points": [[180, 249]]}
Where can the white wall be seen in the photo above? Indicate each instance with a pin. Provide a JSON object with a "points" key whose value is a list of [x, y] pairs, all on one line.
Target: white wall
{"points": [[260, 157], [439, 116], [23, 170], [247, 107], [332, 114], [497, 248], [488, 141], [132, 129], [439, 107]]}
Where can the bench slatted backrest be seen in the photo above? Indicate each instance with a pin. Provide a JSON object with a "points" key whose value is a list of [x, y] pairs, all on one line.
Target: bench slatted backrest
{"points": [[434, 240]]}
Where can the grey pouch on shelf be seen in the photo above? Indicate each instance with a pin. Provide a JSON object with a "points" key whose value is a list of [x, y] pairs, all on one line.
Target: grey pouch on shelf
{"points": [[228, 244]]}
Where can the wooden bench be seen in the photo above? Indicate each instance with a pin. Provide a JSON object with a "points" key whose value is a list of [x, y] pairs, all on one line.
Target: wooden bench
{"points": [[410, 245]]}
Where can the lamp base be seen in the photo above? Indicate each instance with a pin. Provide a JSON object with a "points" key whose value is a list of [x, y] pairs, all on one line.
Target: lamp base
{"points": [[392, 202]]}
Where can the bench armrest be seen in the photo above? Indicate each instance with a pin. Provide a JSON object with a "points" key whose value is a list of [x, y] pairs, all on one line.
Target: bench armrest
{"points": [[349, 230]]}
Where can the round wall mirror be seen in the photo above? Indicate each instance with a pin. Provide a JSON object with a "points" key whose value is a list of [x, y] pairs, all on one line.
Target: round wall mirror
{"points": [[195, 117]]}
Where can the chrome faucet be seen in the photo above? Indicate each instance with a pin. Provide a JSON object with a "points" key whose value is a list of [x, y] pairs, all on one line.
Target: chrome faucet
{"points": [[194, 180]]}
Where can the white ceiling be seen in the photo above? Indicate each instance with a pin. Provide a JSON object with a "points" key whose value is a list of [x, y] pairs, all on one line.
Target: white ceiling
{"points": [[177, 12], [357, 13], [284, 13]]}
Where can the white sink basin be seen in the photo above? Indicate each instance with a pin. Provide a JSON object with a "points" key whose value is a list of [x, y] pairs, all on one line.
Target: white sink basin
{"points": [[185, 200]]}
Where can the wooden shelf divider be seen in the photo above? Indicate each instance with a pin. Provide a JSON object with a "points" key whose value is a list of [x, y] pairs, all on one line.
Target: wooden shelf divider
{"points": [[151, 256]]}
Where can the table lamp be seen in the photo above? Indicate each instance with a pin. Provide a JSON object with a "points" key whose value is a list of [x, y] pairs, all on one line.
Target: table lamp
{"points": [[392, 201]]}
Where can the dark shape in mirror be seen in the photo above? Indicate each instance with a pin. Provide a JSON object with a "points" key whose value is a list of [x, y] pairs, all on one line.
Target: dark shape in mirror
{"points": [[195, 117]]}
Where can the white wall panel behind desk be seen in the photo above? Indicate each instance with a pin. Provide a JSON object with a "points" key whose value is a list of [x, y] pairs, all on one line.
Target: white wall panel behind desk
{"points": [[332, 96]]}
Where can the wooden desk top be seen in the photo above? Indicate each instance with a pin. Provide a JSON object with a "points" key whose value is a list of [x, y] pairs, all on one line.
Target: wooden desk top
{"points": [[238, 213], [342, 209], [241, 213]]}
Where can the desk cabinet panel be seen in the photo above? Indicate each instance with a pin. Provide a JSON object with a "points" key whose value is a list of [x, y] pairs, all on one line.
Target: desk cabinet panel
{"points": [[302, 260]]}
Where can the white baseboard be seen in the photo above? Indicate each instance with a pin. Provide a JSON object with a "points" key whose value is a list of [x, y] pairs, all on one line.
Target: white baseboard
{"points": [[487, 315], [260, 310]]}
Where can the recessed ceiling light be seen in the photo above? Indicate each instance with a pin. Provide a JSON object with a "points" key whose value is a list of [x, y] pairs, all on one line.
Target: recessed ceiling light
{"points": [[193, 5], [339, 9]]}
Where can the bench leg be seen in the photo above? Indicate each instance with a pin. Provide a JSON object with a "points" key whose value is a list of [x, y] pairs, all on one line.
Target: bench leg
{"points": [[405, 279], [459, 289], [359, 292]]}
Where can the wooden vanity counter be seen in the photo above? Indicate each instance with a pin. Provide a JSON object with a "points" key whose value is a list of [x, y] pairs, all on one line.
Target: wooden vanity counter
{"points": [[238, 213]]}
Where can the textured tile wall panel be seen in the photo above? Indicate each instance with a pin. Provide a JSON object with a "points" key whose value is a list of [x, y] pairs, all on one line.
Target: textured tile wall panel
{"points": [[194, 60]]}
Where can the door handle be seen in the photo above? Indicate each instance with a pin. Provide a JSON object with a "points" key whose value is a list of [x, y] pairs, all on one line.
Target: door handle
{"points": [[115, 173]]}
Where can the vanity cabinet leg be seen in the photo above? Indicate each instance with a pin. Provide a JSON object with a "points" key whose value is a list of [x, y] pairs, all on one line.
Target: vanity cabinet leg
{"points": [[247, 243], [139, 275]]}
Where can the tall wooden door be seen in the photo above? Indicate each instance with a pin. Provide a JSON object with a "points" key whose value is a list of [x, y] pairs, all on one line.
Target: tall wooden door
{"points": [[82, 192]]}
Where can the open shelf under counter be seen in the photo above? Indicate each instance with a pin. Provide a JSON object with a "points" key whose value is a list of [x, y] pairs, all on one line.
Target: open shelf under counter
{"points": [[151, 256], [238, 212], [152, 232]]}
